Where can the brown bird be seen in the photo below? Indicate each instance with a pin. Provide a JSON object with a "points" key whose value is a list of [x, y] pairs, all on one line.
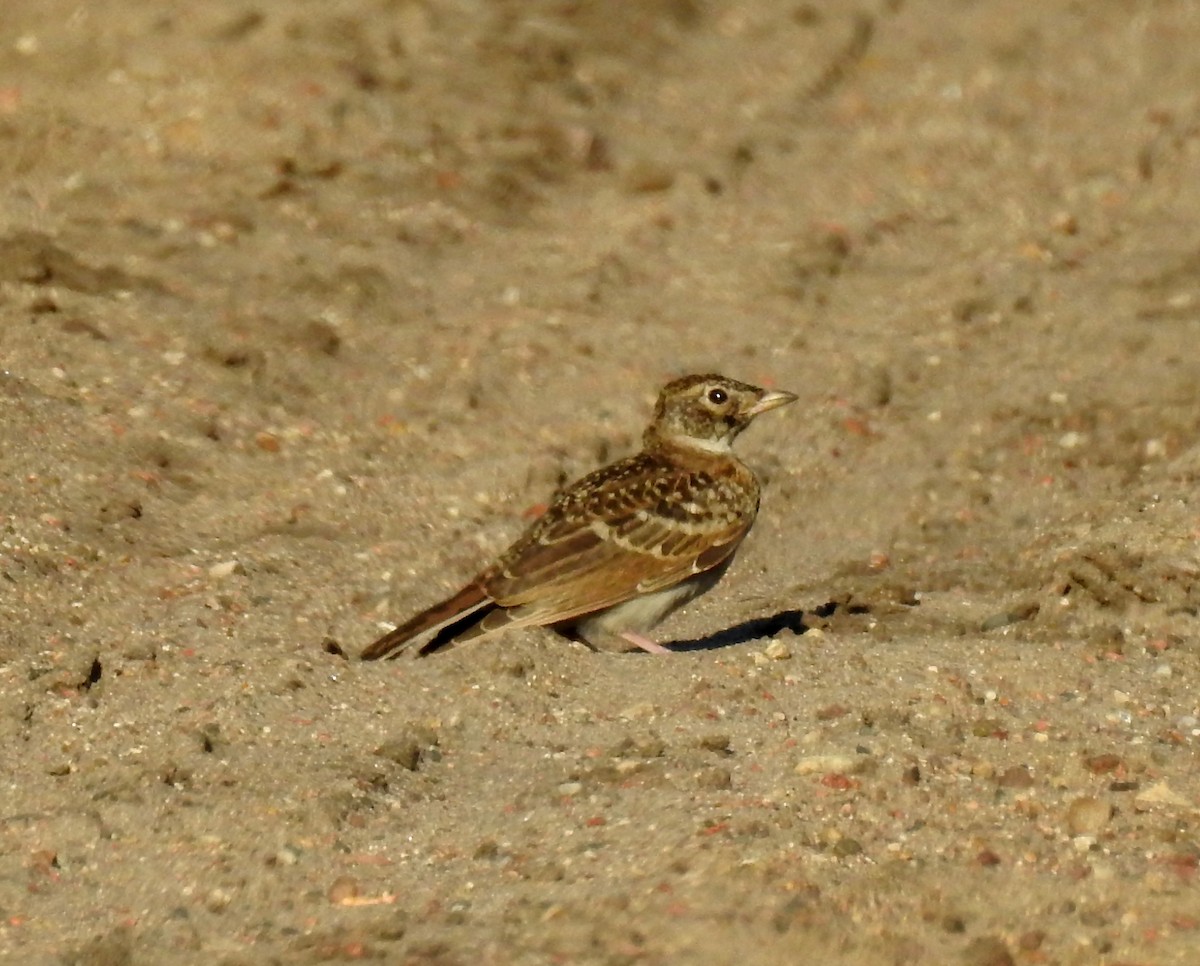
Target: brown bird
{"points": [[626, 545]]}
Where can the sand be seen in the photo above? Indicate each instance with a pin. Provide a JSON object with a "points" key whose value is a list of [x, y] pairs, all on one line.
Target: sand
{"points": [[307, 308]]}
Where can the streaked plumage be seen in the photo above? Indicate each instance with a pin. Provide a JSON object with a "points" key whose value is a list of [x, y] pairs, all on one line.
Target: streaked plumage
{"points": [[627, 544]]}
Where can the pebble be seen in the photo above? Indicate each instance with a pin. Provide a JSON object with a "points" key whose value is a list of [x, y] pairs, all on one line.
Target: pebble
{"points": [[1065, 223], [1102, 764], [1160, 793], [777, 650], [716, 777], [1018, 776], [988, 728], [44, 861], [288, 855], [487, 849], [226, 568], [1087, 816], [844, 848], [343, 889], [820, 764], [982, 769], [647, 175]]}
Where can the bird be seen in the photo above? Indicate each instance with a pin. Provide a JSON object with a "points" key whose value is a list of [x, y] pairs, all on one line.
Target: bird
{"points": [[627, 544]]}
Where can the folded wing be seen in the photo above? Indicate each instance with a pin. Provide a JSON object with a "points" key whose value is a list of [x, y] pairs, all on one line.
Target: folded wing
{"points": [[631, 529]]}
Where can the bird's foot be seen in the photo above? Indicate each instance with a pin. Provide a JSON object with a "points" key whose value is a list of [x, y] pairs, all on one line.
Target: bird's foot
{"points": [[645, 643]]}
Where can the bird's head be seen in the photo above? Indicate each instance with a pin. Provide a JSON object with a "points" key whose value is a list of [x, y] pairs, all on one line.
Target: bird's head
{"points": [[707, 412]]}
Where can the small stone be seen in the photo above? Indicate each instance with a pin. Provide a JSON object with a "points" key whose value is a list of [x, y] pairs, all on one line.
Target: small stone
{"points": [[1161, 793], [645, 175], [989, 728], [1102, 764], [777, 650], [983, 769], [226, 569], [1018, 776], [717, 778], [1065, 223], [821, 764], [1087, 816], [44, 861], [568, 789], [288, 855], [218, 900], [345, 889], [844, 848], [1031, 940], [487, 849]]}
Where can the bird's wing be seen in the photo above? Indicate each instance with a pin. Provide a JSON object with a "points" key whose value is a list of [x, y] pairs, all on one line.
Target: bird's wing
{"points": [[471, 599], [630, 529]]}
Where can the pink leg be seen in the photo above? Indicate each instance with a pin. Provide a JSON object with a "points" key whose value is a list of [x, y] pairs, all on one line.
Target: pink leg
{"points": [[645, 643]]}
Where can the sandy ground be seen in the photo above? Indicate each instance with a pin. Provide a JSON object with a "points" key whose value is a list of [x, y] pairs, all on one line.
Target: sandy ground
{"points": [[306, 307]]}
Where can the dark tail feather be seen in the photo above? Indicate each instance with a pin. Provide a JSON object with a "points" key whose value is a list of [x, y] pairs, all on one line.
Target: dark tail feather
{"points": [[454, 610]]}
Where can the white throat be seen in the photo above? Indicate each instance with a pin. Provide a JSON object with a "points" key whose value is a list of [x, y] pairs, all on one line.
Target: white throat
{"points": [[719, 446]]}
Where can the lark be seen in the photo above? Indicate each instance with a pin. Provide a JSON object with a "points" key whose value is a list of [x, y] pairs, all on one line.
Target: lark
{"points": [[626, 545]]}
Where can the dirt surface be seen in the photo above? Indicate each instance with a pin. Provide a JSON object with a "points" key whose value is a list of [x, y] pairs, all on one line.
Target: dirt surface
{"points": [[305, 308]]}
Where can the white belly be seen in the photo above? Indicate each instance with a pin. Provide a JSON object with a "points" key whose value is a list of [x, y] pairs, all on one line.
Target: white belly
{"points": [[645, 611]]}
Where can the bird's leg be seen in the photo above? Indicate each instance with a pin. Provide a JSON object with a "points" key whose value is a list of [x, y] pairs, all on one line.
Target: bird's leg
{"points": [[645, 643]]}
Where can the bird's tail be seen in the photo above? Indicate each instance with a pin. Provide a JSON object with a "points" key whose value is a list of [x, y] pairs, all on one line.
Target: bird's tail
{"points": [[470, 603]]}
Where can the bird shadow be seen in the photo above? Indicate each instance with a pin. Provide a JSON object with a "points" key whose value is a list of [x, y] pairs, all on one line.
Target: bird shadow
{"points": [[751, 630]]}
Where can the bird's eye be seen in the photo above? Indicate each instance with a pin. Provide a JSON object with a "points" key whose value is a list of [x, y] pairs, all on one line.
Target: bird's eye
{"points": [[718, 397]]}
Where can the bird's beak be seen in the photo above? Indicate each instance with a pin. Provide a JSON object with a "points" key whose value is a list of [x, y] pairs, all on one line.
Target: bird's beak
{"points": [[772, 399]]}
